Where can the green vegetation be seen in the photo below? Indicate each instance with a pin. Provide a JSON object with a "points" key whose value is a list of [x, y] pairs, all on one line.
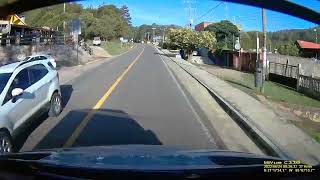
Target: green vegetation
{"points": [[188, 40], [106, 21], [225, 33], [283, 39], [289, 49], [312, 131], [273, 91], [115, 47], [160, 30]]}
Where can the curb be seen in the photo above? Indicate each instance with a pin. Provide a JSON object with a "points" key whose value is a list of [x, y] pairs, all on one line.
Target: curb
{"points": [[258, 137]]}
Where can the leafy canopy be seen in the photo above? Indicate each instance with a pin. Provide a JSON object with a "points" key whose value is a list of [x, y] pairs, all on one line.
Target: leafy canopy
{"points": [[224, 32], [107, 21], [188, 40]]}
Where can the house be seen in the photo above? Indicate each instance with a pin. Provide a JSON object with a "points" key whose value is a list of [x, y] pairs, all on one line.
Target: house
{"points": [[14, 30], [308, 49], [201, 26]]}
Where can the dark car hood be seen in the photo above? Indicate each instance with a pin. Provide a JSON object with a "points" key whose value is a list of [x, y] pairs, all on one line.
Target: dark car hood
{"points": [[141, 157]]}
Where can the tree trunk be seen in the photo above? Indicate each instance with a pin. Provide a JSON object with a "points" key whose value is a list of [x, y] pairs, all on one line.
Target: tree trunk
{"points": [[189, 58]]}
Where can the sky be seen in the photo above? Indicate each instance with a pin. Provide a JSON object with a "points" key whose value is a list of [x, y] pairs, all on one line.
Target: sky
{"points": [[177, 12]]}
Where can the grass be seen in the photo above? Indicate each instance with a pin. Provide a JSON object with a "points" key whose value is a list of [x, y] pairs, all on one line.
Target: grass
{"points": [[273, 91], [115, 47], [314, 133]]}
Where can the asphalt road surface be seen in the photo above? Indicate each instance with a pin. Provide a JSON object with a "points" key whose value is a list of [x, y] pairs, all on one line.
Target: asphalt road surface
{"points": [[132, 99]]}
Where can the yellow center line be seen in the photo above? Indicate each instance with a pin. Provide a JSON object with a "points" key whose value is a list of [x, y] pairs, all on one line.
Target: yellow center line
{"points": [[98, 105]]}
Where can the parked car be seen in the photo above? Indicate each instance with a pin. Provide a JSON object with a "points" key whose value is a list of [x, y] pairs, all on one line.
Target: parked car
{"points": [[27, 89], [96, 41], [42, 57]]}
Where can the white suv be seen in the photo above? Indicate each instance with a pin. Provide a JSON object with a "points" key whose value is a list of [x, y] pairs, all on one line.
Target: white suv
{"points": [[26, 89], [96, 41]]}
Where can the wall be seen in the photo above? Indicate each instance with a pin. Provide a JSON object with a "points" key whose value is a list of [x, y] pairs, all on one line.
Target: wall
{"points": [[65, 55], [308, 66]]}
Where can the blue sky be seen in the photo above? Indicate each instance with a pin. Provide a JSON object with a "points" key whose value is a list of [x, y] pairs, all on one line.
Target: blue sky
{"points": [[176, 12]]}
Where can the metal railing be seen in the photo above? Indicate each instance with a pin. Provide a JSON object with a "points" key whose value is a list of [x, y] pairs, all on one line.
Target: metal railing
{"points": [[310, 83]]}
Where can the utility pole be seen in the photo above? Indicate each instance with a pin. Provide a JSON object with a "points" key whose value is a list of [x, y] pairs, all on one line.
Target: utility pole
{"points": [[264, 49], [148, 36], [64, 23], [232, 41], [315, 30], [190, 9], [163, 36], [153, 34], [258, 73], [190, 18]]}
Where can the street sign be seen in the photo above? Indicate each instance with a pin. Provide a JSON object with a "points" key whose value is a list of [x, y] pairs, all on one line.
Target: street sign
{"points": [[237, 46], [76, 26]]}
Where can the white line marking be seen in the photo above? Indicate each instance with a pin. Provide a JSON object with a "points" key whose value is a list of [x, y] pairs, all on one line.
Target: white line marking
{"points": [[204, 128]]}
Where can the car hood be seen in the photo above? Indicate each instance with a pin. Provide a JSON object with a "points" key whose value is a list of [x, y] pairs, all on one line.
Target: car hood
{"points": [[144, 157]]}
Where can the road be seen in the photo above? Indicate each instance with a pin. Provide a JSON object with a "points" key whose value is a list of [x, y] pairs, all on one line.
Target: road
{"points": [[132, 99]]}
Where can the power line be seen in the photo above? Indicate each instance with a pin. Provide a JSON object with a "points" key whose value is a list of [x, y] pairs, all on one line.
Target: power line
{"points": [[209, 11]]}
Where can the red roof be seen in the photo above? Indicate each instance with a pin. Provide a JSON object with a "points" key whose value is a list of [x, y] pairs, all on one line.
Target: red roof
{"points": [[308, 45]]}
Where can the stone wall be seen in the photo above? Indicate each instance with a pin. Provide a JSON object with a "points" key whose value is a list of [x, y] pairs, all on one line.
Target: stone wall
{"points": [[65, 55]]}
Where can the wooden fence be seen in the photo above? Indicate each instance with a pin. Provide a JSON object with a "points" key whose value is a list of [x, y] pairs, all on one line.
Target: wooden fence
{"points": [[290, 75], [284, 69]]}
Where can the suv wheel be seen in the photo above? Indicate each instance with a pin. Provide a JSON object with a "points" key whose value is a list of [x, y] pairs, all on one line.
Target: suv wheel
{"points": [[5, 143], [55, 105]]}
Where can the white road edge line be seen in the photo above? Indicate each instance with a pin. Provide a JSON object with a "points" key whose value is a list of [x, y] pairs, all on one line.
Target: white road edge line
{"points": [[204, 128]]}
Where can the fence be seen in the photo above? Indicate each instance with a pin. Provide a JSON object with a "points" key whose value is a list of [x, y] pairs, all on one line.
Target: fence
{"points": [[291, 76], [283, 73], [309, 86], [286, 70]]}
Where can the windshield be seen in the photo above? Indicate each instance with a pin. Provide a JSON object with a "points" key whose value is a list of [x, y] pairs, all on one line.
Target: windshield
{"points": [[213, 75], [4, 77]]}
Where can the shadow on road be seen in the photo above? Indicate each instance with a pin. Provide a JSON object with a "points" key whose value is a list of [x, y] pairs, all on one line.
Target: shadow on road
{"points": [[106, 127], [26, 129], [66, 91]]}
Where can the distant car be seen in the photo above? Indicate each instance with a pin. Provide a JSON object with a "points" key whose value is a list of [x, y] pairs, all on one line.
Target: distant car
{"points": [[96, 41], [27, 89]]}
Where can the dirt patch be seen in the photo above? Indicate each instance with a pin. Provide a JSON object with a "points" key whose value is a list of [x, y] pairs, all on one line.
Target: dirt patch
{"points": [[99, 52], [306, 118]]}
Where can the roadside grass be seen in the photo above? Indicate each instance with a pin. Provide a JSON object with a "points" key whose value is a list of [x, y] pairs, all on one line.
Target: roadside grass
{"points": [[278, 92], [311, 131], [114, 47], [273, 91]]}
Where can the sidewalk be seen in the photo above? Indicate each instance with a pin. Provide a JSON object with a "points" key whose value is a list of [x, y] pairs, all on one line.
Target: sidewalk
{"points": [[279, 134]]}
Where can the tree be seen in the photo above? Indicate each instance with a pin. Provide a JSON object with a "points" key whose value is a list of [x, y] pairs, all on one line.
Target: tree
{"points": [[290, 49], [189, 40], [141, 31], [124, 13], [106, 21], [223, 30]]}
